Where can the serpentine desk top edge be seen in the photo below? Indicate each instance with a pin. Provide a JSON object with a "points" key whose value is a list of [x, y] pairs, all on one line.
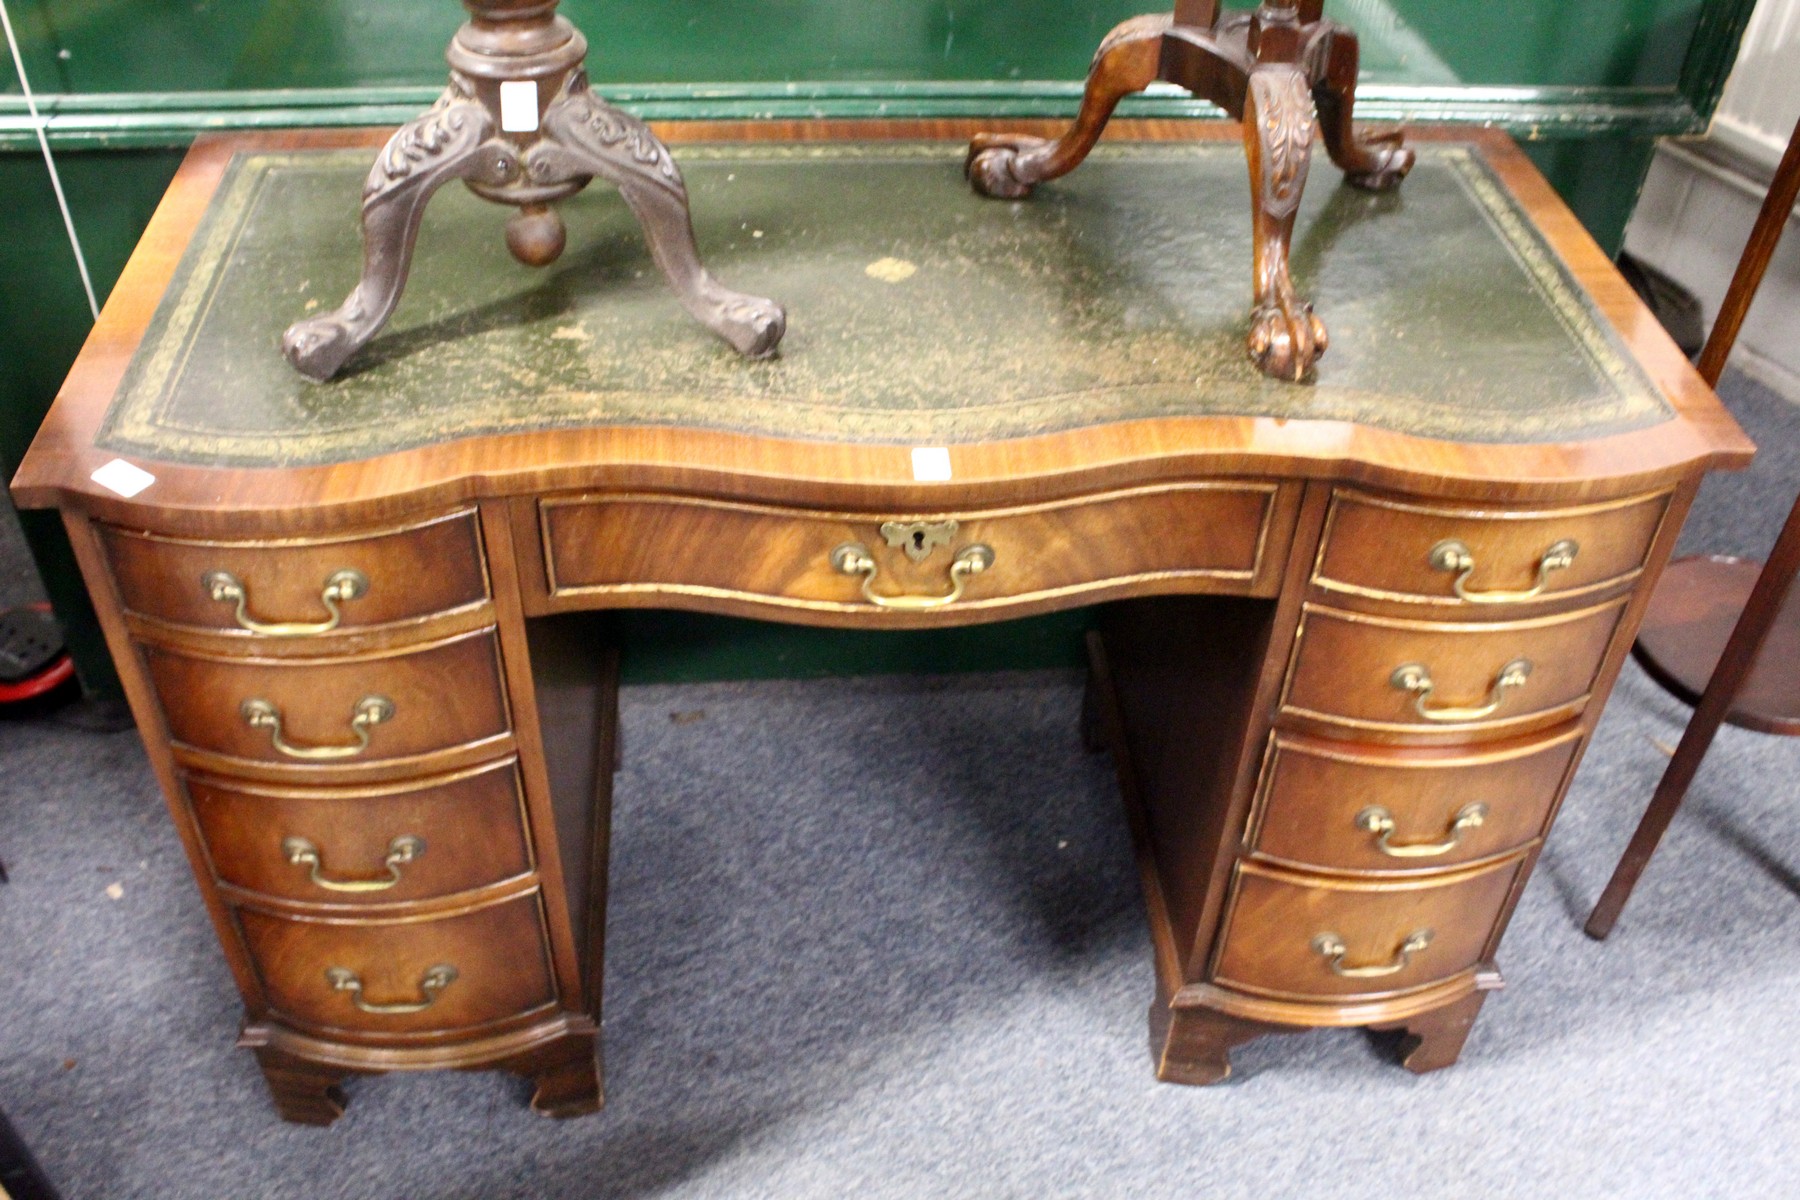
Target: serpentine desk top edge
{"points": [[877, 471]]}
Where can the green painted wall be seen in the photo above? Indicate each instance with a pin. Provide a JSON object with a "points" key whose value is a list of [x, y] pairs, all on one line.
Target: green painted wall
{"points": [[1587, 85], [184, 46]]}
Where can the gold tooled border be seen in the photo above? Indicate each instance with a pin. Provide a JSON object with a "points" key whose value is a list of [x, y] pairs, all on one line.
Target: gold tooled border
{"points": [[139, 419]]}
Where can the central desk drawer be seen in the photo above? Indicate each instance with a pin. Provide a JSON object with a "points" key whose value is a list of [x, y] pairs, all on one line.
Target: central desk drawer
{"points": [[354, 847], [1219, 537], [336, 712], [405, 977]]}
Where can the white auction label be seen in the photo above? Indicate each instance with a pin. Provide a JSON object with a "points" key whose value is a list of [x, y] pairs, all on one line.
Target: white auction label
{"points": [[931, 464], [519, 106], [121, 477]]}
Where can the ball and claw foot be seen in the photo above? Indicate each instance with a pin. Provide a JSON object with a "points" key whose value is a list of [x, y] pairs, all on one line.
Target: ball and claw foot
{"points": [[993, 164], [1286, 338], [752, 325], [1393, 159], [318, 346]]}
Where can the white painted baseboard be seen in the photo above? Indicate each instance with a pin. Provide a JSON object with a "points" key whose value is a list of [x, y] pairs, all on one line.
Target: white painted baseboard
{"points": [[1692, 222]]}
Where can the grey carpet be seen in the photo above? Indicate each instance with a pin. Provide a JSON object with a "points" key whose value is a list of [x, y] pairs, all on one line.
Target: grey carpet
{"points": [[883, 937]]}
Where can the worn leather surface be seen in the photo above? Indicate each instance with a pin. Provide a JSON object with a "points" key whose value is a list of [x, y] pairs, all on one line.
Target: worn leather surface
{"points": [[920, 312]]}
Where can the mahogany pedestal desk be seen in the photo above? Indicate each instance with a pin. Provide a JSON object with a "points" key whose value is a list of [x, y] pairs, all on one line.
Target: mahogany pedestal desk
{"points": [[1350, 638]]}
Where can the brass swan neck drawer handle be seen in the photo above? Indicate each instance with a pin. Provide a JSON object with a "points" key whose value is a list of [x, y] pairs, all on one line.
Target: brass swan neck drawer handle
{"points": [[369, 712], [853, 558], [402, 850], [1380, 822], [1331, 947], [435, 980], [1416, 679], [226, 588], [1452, 555]]}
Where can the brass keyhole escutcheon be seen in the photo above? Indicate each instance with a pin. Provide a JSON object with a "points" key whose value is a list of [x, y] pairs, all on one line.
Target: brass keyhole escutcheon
{"points": [[917, 539]]}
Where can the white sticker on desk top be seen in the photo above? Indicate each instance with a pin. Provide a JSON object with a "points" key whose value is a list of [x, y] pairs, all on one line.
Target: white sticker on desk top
{"points": [[931, 464], [121, 477], [519, 106]]}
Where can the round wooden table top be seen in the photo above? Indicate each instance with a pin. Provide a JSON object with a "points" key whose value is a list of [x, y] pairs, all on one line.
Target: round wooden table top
{"points": [[1691, 615]]}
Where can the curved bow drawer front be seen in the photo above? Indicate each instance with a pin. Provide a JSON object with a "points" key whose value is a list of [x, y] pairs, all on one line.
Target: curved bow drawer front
{"points": [[1216, 537], [1470, 563], [1347, 807], [325, 713], [1382, 677], [299, 589], [358, 847], [1295, 936], [397, 980]]}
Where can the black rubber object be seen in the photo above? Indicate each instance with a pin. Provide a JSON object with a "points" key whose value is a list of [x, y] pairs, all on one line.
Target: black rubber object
{"points": [[30, 643]]}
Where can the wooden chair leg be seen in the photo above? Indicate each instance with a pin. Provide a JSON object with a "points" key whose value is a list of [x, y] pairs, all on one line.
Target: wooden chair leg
{"points": [[1764, 605], [1739, 656]]}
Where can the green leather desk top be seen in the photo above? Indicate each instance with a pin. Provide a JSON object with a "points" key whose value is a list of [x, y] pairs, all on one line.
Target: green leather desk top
{"points": [[918, 312]]}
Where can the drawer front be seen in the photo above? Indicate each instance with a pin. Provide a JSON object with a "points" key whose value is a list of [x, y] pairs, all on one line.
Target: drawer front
{"points": [[1481, 559], [366, 846], [421, 977], [1377, 674], [613, 545], [300, 588], [1365, 809], [1294, 936], [330, 712]]}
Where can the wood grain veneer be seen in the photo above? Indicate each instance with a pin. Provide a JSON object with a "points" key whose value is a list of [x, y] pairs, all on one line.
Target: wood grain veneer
{"points": [[1379, 548], [1314, 791], [1344, 667], [1274, 916], [415, 571], [498, 952], [471, 826]]}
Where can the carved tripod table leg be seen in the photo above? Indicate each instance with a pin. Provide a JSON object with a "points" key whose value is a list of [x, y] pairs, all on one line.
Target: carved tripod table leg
{"points": [[1266, 68], [1007, 165], [1374, 163], [1286, 339], [539, 154], [452, 141], [586, 137]]}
